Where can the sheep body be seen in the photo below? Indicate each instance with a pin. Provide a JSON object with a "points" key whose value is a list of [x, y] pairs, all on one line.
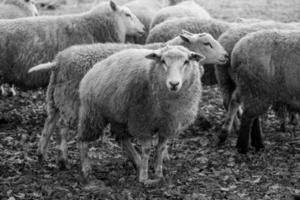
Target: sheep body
{"points": [[228, 40], [11, 9], [183, 9], [132, 92], [124, 83], [42, 37], [145, 10], [265, 68]]}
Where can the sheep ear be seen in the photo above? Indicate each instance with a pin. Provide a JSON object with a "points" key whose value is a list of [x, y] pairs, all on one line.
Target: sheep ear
{"points": [[153, 56], [185, 32], [196, 57], [185, 38], [113, 6]]}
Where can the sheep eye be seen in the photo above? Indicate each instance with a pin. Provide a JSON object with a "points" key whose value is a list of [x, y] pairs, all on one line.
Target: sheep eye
{"points": [[207, 44], [186, 62], [163, 62], [127, 15]]}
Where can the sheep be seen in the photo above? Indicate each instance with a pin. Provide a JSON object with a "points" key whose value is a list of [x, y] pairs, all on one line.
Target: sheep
{"points": [[223, 72], [42, 37], [71, 65], [141, 93], [188, 8], [265, 69], [145, 10], [11, 9], [170, 28]]}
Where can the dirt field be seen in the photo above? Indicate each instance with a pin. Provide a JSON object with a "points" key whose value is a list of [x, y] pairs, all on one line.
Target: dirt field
{"points": [[198, 170]]}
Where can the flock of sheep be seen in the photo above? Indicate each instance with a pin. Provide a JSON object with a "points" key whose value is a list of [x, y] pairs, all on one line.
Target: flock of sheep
{"points": [[149, 90]]}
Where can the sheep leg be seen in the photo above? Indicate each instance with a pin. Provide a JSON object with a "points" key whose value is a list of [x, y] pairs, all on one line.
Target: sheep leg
{"points": [[48, 130], [243, 138], [161, 151], [256, 135], [85, 161], [230, 117], [63, 147], [131, 152], [143, 171]]}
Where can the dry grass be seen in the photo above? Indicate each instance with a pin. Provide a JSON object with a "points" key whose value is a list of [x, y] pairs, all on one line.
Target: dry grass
{"points": [[281, 10]]}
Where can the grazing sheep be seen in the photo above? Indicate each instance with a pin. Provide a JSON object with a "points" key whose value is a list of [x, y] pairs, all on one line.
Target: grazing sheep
{"points": [[145, 10], [71, 65], [223, 72], [11, 9], [187, 8], [42, 37], [141, 93], [170, 28], [265, 69]]}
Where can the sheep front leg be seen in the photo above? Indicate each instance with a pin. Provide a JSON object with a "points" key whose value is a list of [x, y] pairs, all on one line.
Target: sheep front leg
{"points": [[244, 133], [161, 151], [85, 161], [231, 116], [131, 152], [63, 146], [256, 135], [143, 171], [48, 129]]}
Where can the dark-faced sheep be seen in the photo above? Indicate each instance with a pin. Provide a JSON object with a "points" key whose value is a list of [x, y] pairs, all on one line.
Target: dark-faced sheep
{"points": [[265, 69], [40, 39], [223, 72], [11, 9], [141, 93], [71, 65], [145, 11], [187, 8]]}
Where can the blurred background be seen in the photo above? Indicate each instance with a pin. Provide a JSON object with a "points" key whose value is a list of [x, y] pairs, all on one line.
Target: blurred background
{"points": [[280, 10]]}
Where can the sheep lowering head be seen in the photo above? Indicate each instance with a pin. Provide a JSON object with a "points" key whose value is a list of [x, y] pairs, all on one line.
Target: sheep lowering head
{"points": [[207, 45], [141, 93]]}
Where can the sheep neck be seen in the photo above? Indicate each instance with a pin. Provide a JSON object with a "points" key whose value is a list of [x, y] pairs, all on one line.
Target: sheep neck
{"points": [[104, 26]]}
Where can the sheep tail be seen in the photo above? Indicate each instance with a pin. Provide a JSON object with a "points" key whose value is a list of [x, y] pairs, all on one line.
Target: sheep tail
{"points": [[44, 66]]}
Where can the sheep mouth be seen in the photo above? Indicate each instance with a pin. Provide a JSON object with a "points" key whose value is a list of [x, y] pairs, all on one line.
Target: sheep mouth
{"points": [[223, 61], [140, 33]]}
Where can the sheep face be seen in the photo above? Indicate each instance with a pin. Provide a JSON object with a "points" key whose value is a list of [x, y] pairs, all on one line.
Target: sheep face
{"points": [[207, 45], [128, 20], [174, 66], [31, 7]]}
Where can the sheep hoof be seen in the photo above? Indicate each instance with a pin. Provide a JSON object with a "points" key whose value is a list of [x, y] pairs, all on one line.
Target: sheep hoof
{"points": [[62, 164], [41, 157], [151, 182], [242, 149], [283, 128], [222, 137]]}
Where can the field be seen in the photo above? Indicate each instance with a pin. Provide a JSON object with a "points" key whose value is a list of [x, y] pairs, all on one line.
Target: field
{"points": [[197, 170]]}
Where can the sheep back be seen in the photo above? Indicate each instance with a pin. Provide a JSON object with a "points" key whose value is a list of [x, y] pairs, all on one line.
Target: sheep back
{"points": [[182, 9]]}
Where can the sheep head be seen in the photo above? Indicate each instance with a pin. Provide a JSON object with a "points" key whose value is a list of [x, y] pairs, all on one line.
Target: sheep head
{"points": [[174, 66]]}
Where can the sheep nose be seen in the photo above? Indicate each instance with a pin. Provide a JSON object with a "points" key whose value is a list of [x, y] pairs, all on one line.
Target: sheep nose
{"points": [[226, 56], [174, 85]]}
